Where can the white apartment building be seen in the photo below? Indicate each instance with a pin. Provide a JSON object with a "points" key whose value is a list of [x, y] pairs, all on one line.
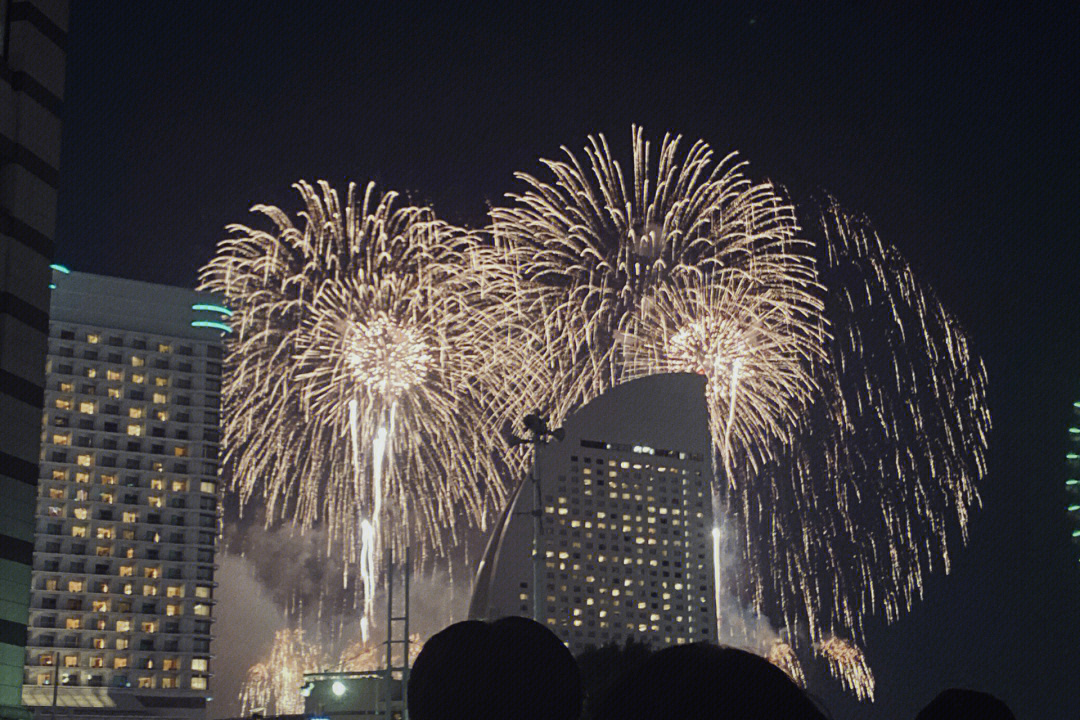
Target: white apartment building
{"points": [[123, 585], [627, 524]]}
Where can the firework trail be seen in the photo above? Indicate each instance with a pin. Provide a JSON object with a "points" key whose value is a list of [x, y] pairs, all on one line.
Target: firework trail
{"points": [[357, 382], [848, 664]]}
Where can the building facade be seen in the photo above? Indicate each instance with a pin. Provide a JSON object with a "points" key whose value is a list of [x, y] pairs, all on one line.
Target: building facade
{"points": [[627, 524], [33, 36], [1072, 475], [127, 506]]}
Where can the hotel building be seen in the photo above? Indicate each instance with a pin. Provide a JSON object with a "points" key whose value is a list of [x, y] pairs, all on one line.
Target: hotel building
{"points": [[127, 507], [627, 524]]}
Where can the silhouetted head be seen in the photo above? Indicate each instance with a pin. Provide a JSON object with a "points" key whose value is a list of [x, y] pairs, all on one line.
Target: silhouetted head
{"points": [[957, 703], [706, 681], [510, 668]]}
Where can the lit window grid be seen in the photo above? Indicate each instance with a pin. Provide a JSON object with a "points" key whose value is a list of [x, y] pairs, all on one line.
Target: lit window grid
{"points": [[574, 500], [186, 666]]}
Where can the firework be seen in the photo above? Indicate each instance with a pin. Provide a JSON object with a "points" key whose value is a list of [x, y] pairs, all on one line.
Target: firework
{"points": [[848, 664], [357, 387], [782, 655], [846, 409], [276, 682], [593, 247]]}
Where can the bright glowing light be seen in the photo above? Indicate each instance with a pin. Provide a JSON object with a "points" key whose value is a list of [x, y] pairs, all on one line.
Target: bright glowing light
{"points": [[338, 687], [60, 268], [220, 309], [212, 324]]}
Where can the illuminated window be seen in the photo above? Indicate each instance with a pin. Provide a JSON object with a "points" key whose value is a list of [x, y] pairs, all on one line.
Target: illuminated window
{"points": [[207, 487], [170, 664], [106, 533], [162, 415], [86, 407], [59, 474], [91, 372], [115, 393], [63, 403], [71, 661], [136, 413], [149, 589], [93, 338], [127, 570], [163, 348], [171, 610], [123, 643], [134, 430], [108, 479], [75, 586], [82, 477], [198, 683], [85, 460], [103, 550], [73, 623], [138, 378], [137, 361], [169, 681], [152, 572], [67, 387], [149, 626], [107, 497], [180, 485], [202, 609], [97, 662], [99, 643], [56, 493], [160, 398], [61, 438], [131, 516], [114, 375], [146, 681], [44, 679], [180, 451], [175, 591], [78, 531]]}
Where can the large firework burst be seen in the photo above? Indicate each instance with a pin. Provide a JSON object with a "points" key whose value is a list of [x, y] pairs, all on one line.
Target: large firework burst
{"points": [[846, 411], [357, 385], [592, 246]]}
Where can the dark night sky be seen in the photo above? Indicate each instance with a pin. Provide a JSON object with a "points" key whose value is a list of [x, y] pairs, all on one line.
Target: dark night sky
{"points": [[950, 130]]}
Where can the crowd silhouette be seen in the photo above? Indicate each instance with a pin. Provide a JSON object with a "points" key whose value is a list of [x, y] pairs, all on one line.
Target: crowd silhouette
{"points": [[516, 668]]}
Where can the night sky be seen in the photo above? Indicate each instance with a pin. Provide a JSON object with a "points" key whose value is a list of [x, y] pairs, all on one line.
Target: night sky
{"points": [[950, 131]]}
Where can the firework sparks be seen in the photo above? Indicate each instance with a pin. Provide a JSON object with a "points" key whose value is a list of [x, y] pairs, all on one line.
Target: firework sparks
{"points": [[378, 351], [276, 682], [846, 409], [848, 664], [782, 655], [356, 386]]}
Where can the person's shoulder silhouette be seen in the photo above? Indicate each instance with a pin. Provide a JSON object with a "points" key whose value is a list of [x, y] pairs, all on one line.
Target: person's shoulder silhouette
{"points": [[706, 681], [510, 668], [958, 704]]}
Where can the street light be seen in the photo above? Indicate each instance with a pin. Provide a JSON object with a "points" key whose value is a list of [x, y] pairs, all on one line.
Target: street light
{"points": [[540, 433]]}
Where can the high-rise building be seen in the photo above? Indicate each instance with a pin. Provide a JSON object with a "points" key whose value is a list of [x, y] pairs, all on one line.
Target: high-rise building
{"points": [[33, 34], [627, 524], [127, 505], [1072, 475]]}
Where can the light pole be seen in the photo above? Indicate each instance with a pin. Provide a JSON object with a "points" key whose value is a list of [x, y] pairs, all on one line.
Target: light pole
{"points": [[539, 434]]}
